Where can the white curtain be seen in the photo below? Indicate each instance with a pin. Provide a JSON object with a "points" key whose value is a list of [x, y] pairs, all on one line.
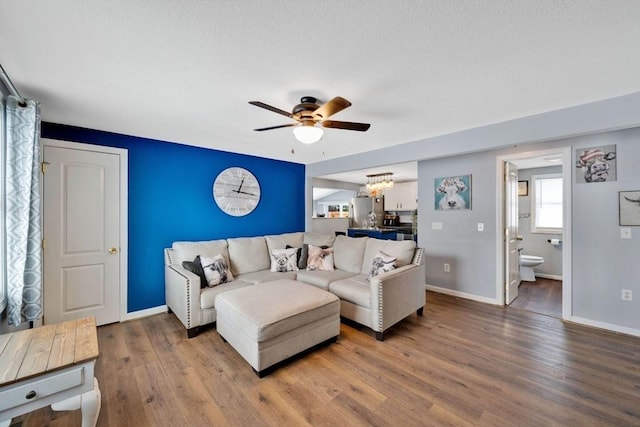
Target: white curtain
{"points": [[23, 233]]}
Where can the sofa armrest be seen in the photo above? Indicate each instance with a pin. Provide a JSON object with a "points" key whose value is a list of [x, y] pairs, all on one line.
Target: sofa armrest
{"points": [[182, 294], [396, 294]]}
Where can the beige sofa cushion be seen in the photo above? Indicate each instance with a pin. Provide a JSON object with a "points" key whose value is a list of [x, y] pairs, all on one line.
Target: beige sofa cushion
{"points": [[248, 254], [401, 249], [355, 290], [319, 240], [208, 295], [266, 276], [187, 251], [280, 241], [348, 253], [321, 279]]}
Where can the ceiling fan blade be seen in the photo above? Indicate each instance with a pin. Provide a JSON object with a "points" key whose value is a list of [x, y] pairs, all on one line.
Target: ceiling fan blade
{"points": [[277, 127], [337, 104], [270, 108], [346, 125]]}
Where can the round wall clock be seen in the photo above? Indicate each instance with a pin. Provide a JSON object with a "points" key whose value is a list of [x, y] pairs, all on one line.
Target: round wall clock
{"points": [[236, 191]]}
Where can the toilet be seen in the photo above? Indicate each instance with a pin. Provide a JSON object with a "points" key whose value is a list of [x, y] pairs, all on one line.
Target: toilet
{"points": [[527, 262]]}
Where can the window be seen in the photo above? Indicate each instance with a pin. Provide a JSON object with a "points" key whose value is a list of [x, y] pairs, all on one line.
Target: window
{"points": [[546, 203]]}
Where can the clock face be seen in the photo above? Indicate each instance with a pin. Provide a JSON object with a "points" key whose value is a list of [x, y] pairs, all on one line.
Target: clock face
{"points": [[236, 191]]}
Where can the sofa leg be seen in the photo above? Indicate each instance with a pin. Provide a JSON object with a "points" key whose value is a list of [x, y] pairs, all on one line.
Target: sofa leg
{"points": [[192, 332], [380, 336], [420, 311]]}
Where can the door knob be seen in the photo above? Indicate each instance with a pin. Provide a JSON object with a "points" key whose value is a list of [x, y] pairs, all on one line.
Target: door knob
{"points": [[518, 238], [113, 251]]}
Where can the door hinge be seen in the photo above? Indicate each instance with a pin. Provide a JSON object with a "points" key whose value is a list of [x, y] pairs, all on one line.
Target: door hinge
{"points": [[44, 245], [43, 166]]}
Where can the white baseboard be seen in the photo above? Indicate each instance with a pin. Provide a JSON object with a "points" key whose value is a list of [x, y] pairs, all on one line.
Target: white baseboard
{"points": [[549, 276], [146, 312], [606, 326], [462, 295]]}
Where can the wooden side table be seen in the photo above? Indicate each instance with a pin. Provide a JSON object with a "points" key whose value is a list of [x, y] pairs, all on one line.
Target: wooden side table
{"points": [[52, 365]]}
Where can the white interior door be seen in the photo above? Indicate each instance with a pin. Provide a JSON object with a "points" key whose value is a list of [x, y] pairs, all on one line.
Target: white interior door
{"points": [[82, 235], [511, 239]]}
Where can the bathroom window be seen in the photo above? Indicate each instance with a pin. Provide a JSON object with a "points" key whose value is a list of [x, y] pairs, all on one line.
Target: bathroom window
{"points": [[546, 203]]}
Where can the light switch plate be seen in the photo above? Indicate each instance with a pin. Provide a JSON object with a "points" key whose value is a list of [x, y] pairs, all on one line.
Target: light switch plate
{"points": [[436, 226], [480, 226], [625, 233]]}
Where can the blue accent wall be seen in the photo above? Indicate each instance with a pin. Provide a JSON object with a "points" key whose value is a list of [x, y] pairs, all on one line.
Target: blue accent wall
{"points": [[170, 199]]}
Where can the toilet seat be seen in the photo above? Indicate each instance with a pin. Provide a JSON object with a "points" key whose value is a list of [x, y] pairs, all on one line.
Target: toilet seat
{"points": [[527, 262]]}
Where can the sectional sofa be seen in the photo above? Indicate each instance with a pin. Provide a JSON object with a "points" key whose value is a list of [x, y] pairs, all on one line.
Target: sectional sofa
{"points": [[377, 301]]}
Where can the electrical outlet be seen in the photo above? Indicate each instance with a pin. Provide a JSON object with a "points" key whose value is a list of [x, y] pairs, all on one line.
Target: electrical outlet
{"points": [[480, 226], [436, 226], [625, 233], [447, 268], [627, 295]]}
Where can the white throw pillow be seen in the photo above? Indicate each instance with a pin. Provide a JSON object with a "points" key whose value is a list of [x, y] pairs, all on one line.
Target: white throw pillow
{"points": [[381, 264], [216, 270], [320, 259], [283, 260]]}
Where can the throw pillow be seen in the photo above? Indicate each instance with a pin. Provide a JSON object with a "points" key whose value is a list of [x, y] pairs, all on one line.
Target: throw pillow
{"points": [[320, 259], [283, 260], [216, 270], [303, 255], [195, 267], [381, 264]]}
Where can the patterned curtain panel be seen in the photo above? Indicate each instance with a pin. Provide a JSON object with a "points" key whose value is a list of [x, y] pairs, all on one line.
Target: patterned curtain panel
{"points": [[23, 233]]}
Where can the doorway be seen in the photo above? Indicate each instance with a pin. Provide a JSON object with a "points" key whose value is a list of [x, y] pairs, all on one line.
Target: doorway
{"points": [[548, 291], [85, 232]]}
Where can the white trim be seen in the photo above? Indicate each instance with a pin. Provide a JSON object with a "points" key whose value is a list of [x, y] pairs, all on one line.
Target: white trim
{"points": [[605, 326], [462, 295], [124, 207], [567, 250], [146, 312], [548, 276]]}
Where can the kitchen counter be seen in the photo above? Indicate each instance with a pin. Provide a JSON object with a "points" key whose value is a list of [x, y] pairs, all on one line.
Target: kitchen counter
{"points": [[376, 233]]}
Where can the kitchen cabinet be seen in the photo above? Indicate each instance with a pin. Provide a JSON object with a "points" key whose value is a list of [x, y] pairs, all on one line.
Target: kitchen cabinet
{"points": [[402, 197]]}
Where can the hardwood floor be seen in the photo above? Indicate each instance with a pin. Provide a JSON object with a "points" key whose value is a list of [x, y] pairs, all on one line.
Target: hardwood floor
{"points": [[462, 364], [543, 296]]}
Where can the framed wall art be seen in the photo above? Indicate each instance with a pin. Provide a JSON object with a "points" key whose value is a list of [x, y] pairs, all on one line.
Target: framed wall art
{"points": [[596, 164], [629, 206], [453, 193], [523, 188]]}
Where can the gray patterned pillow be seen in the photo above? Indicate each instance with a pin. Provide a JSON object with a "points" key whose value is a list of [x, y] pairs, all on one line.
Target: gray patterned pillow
{"points": [[216, 270], [283, 260], [381, 264]]}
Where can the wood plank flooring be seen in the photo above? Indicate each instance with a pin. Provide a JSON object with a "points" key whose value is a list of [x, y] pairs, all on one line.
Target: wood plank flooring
{"points": [[462, 364], [543, 296]]}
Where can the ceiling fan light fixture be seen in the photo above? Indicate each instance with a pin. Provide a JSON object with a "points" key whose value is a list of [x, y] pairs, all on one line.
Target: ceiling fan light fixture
{"points": [[307, 132]]}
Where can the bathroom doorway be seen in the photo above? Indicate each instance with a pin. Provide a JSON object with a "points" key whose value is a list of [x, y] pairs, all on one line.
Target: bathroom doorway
{"points": [[539, 223]]}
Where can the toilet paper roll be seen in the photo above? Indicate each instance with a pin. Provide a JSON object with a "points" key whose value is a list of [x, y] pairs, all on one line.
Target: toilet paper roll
{"points": [[555, 242]]}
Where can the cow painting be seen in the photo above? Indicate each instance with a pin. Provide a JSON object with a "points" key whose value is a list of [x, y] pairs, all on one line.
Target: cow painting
{"points": [[597, 164], [453, 193]]}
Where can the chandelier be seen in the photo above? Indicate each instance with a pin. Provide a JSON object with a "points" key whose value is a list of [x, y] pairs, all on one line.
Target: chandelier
{"points": [[377, 183]]}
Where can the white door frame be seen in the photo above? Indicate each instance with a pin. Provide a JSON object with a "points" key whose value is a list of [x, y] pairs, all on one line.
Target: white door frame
{"points": [[567, 281], [124, 206]]}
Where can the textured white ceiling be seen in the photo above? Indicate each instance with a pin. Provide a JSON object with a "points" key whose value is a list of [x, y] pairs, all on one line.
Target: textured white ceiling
{"points": [[184, 71]]}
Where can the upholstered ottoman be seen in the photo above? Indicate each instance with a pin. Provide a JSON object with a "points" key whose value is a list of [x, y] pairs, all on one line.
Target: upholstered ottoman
{"points": [[269, 322]]}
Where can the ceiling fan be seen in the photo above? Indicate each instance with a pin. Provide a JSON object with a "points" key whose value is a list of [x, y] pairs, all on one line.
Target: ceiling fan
{"points": [[310, 117]]}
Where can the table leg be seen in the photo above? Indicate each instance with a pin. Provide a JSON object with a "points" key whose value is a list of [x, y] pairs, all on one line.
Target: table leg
{"points": [[89, 404]]}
